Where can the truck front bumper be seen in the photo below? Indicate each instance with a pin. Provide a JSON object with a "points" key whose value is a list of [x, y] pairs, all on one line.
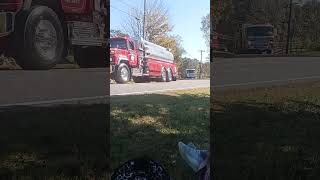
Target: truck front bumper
{"points": [[259, 50], [6, 23], [137, 72]]}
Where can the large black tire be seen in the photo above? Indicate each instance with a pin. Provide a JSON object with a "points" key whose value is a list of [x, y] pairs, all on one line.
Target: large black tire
{"points": [[169, 75], [38, 40], [139, 79], [122, 74], [269, 51], [91, 57], [174, 78], [163, 75]]}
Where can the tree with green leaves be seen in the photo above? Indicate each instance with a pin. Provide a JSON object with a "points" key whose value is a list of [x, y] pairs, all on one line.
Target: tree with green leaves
{"points": [[158, 28], [188, 63], [157, 22], [231, 14], [205, 28]]}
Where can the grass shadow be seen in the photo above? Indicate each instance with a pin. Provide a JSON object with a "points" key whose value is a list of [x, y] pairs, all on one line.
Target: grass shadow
{"points": [[257, 139], [64, 141]]}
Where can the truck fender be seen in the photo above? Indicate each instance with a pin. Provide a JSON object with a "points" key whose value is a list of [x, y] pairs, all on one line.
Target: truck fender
{"points": [[164, 68], [50, 3], [123, 60]]}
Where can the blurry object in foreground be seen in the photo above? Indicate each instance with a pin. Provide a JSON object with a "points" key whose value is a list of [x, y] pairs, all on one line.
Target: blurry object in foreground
{"points": [[140, 168], [197, 159]]}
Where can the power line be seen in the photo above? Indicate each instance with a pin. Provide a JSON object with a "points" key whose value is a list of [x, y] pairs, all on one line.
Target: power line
{"points": [[120, 10], [130, 6], [124, 12], [144, 18]]}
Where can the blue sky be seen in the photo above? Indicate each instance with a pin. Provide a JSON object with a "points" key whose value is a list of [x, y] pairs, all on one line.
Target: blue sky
{"points": [[185, 16]]}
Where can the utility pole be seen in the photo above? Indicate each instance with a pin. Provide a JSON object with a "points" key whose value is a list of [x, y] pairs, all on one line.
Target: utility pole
{"points": [[138, 25], [289, 27], [145, 70], [144, 18], [200, 65]]}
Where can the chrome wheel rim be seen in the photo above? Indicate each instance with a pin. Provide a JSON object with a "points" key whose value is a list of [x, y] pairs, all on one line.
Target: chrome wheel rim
{"points": [[124, 74], [46, 39], [164, 77], [169, 75]]}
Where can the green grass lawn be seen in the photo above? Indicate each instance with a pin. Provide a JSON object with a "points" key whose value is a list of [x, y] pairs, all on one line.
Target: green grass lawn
{"points": [[56, 142], [267, 133], [152, 125]]}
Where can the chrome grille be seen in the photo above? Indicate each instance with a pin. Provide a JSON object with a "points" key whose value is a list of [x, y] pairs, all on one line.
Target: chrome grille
{"points": [[85, 33]]}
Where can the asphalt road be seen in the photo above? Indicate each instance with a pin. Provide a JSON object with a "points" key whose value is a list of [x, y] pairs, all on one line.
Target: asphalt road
{"points": [[156, 87], [53, 87], [263, 71], [91, 85], [70, 86]]}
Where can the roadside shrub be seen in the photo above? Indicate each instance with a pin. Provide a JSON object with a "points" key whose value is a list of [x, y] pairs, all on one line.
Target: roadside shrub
{"points": [[315, 46]]}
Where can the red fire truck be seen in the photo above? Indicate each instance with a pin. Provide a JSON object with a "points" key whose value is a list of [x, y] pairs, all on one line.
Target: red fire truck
{"points": [[140, 60], [40, 33]]}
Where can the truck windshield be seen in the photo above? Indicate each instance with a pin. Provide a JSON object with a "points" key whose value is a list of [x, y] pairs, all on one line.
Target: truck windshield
{"points": [[259, 31], [190, 71], [118, 43]]}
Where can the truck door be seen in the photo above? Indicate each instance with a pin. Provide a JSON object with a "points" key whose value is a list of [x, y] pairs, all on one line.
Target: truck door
{"points": [[132, 56]]}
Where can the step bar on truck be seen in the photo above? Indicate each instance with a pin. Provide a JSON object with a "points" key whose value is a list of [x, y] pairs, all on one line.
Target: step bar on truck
{"points": [[6, 23]]}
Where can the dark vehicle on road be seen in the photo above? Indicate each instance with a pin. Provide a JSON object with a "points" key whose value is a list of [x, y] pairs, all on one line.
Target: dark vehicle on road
{"points": [[190, 73], [257, 38]]}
